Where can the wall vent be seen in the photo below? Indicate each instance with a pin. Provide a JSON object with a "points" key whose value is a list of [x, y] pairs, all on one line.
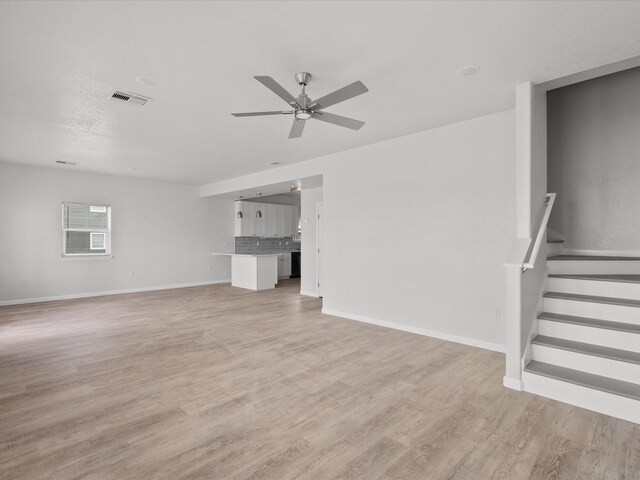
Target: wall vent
{"points": [[130, 97]]}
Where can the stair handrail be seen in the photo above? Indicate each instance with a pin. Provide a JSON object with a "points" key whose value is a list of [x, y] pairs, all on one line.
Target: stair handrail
{"points": [[551, 198]]}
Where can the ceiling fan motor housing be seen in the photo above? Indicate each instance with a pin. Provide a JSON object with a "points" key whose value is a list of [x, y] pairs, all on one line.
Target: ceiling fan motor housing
{"points": [[303, 78]]}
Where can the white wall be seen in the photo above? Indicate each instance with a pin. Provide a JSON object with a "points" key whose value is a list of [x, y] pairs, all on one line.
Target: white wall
{"points": [[523, 288], [309, 199], [535, 176], [416, 229], [594, 148], [161, 232]]}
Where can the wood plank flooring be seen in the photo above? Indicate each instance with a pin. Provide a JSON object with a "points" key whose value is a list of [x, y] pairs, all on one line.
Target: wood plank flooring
{"points": [[216, 382]]}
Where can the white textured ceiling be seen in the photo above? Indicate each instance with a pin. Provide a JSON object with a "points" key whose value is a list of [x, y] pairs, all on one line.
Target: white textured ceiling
{"points": [[59, 63]]}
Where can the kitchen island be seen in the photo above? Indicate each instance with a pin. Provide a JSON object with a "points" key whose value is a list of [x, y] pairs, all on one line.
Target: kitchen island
{"points": [[255, 272]]}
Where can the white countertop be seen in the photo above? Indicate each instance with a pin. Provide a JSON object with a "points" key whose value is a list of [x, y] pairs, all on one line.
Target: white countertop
{"points": [[231, 254]]}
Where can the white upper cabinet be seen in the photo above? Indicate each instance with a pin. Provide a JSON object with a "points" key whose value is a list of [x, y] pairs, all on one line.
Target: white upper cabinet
{"points": [[291, 221], [238, 220], [257, 219], [286, 232], [279, 220], [265, 220], [243, 223], [295, 212], [270, 220]]}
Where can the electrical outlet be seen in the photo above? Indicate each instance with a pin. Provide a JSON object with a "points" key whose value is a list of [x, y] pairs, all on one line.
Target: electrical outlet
{"points": [[498, 313], [286, 243], [279, 243], [258, 243]]}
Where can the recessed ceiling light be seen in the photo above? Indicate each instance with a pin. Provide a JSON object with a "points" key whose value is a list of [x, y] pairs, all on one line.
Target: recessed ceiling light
{"points": [[145, 80], [274, 163], [467, 71]]}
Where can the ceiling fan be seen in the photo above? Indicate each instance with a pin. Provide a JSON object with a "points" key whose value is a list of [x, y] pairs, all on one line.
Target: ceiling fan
{"points": [[305, 109]]}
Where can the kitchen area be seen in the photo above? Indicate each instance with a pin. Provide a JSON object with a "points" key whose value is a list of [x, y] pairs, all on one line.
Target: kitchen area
{"points": [[267, 240]]}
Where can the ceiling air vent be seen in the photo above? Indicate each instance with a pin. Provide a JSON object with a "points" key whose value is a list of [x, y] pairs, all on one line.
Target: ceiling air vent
{"points": [[130, 97]]}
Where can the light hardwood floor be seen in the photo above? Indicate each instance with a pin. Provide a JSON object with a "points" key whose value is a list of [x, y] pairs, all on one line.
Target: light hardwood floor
{"points": [[220, 383]]}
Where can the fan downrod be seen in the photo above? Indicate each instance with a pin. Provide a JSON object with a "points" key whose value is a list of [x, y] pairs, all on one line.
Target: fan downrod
{"points": [[303, 78]]}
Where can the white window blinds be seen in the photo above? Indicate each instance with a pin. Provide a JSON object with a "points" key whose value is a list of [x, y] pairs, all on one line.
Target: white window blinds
{"points": [[86, 229]]}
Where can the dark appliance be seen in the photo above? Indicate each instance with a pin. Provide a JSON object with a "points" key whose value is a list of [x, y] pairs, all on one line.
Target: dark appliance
{"points": [[295, 264]]}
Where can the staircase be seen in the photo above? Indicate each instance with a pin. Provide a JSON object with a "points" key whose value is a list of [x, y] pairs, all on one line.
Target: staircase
{"points": [[587, 348]]}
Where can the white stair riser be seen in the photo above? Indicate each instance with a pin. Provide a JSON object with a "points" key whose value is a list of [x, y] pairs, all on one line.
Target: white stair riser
{"points": [[568, 267], [601, 311], [592, 335], [594, 287], [628, 372], [554, 249], [584, 397]]}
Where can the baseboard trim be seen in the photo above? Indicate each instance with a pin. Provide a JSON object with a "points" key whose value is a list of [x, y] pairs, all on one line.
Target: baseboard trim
{"points": [[109, 292], [604, 253], [417, 330], [513, 383], [308, 294]]}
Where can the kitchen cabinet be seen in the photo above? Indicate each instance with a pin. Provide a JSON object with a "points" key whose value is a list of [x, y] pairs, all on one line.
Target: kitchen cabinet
{"points": [[254, 219], [290, 221], [284, 265], [279, 221], [243, 223], [295, 215], [270, 220], [257, 219], [286, 227], [255, 272]]}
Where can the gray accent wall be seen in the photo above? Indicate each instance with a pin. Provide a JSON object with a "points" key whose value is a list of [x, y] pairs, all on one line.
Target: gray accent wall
{"points": [[254, 245], [594, 163]]}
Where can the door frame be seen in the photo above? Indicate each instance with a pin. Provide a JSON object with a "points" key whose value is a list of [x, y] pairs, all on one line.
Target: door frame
{"points": [[319, 248]]}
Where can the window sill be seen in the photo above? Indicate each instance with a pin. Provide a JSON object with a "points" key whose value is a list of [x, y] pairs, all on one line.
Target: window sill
{"points": [[85, 257]]}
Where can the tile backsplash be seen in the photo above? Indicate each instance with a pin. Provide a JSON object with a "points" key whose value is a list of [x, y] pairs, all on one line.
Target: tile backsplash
{"points": [[254, 245]]}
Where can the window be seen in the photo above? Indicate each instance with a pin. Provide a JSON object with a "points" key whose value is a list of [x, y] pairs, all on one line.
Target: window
{"points": [[97, 241], [86, 230]]}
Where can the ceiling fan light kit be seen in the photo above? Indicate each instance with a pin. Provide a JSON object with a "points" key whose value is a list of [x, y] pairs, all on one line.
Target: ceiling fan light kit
{"points": [[304, 109], [303, 114]]}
